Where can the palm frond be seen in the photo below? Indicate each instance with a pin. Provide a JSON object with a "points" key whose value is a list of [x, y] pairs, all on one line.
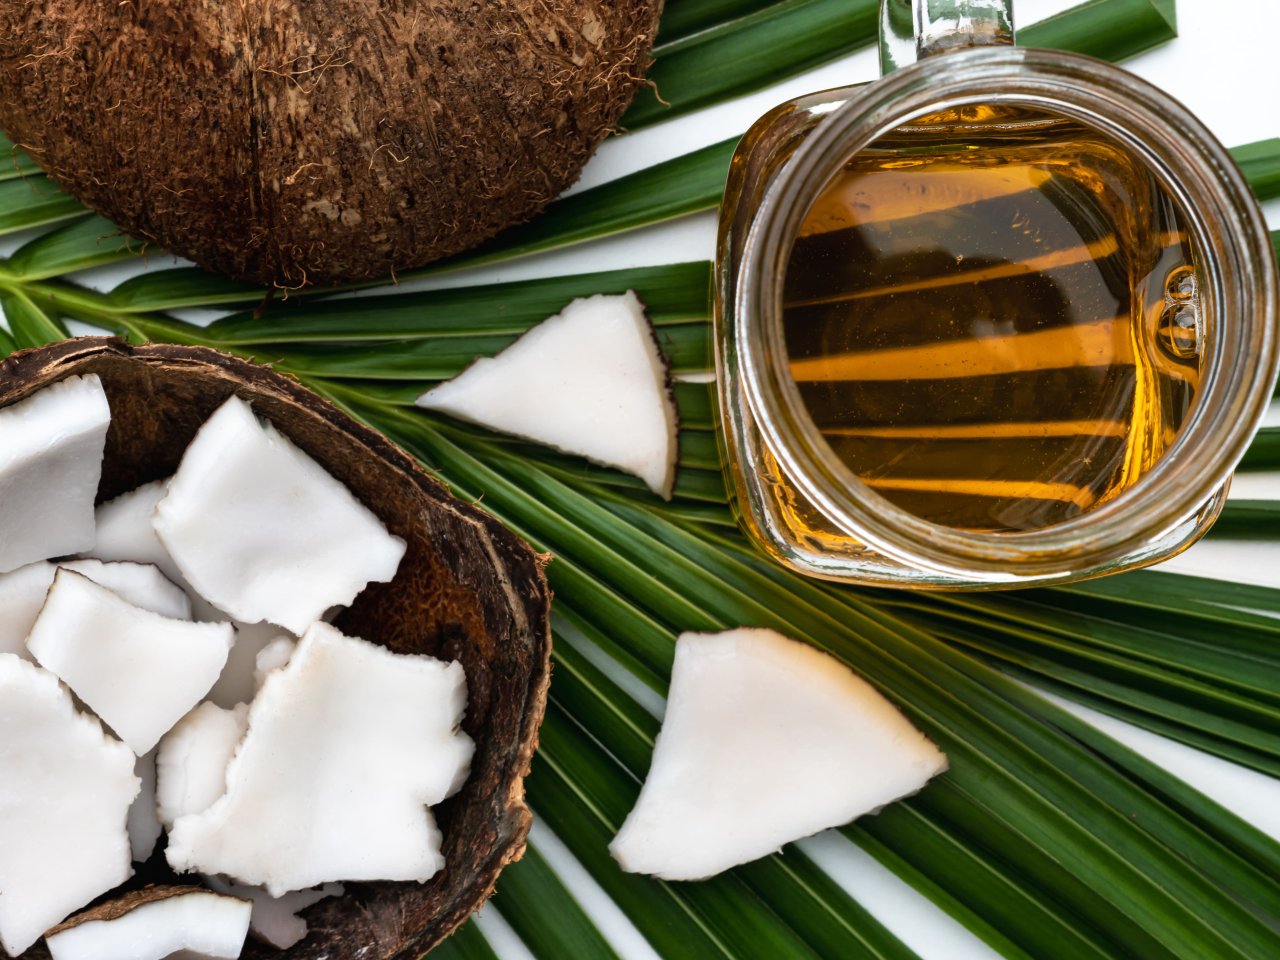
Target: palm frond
{"points": [[1260, 163], [33, 201], [549, 920], [672, 294], [682, 18], [1264, 452], [778, 40], [467, 944], [14, 162], [29, 323], [707, 582], [1248, 520], [89, 241]]}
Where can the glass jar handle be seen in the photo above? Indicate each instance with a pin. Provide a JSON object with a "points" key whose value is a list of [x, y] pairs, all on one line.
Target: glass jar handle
{"points": [[911, 30]]}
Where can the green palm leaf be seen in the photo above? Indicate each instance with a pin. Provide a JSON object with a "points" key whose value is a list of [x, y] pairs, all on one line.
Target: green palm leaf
{"points": [[671, 294], [30, 324], [681, 18], [467, 944], [728, 59], [1264, 452], [33, 201], [545, 914], [712, 587], [1249, 520], [84, 243], [15, 163], [1260, 163]]}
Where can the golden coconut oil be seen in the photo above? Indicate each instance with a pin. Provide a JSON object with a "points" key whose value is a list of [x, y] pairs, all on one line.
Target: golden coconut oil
{"points": [[992, 317]]}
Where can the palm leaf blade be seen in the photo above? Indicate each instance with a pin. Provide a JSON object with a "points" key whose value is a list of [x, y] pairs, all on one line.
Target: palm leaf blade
{"points": [[88, 242], [29, 324], [467, 943], [34, 202], [1248, 520], [1060, 834], [545, 914], [1260, 163], [1264, 452]]}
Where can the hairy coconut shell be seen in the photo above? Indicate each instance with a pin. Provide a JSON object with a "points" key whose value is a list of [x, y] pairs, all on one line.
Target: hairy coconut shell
{"points": [[468, 589], [295, 143]]}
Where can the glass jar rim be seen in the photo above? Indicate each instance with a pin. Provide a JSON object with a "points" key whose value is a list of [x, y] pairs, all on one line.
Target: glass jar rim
{"points": [[1240, 304]]}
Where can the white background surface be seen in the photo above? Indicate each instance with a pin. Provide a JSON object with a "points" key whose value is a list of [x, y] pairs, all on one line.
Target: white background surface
{"points": [[1224, 65]]}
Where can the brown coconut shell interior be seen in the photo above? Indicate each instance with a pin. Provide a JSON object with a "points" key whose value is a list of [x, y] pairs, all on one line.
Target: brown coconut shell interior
{"points": [[468, 589]]}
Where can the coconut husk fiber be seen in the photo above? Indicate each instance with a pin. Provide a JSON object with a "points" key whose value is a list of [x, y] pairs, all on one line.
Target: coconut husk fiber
{"points": [[468, 589], [310, 143]]}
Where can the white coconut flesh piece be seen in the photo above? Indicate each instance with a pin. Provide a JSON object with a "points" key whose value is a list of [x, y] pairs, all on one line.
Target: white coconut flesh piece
{"points": [[589, 381], [273, 656], [191, 765], [22, 594], [347, 746], [143, 822], [138, 671], [50, 463], [765, 740], [275, 919], [261, 531], [143, 585], [237, 682], [65, 789], [185, 923], [125, 531]]}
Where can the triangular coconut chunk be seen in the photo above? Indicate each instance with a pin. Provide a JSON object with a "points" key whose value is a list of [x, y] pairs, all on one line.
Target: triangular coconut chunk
{"points": [[65, 788], [765, 740], [261, 531], [50, 463], [589, 381], [140, 672], [154, 924], [349, 741]]}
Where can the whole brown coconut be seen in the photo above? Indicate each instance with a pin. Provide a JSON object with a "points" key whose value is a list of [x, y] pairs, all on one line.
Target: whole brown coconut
{"points": [[291, 142], [468, 589]]}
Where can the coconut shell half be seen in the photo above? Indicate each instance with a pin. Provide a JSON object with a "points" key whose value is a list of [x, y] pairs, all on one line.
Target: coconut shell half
{"points": [[293, 143], [468, 589]]}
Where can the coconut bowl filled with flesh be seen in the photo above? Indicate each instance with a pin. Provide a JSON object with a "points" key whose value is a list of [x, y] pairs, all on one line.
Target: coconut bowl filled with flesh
{"points": [[440, 605]]}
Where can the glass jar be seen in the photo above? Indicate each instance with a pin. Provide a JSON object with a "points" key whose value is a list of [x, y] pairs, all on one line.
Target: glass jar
{"points": [[806, 506]]}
